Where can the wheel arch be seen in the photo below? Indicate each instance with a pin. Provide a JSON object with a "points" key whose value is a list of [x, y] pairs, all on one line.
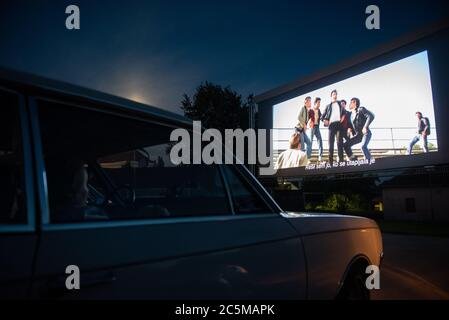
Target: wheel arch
{"points": [[359, 261]]}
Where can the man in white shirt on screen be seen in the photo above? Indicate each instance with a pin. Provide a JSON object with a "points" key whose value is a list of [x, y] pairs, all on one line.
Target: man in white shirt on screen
{"points": [[332, 118], [293, 157]]}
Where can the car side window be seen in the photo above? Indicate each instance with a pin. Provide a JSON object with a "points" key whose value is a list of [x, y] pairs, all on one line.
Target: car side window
{"points": [[108, 167], [244, 197], [155, 187], [12, 179]]}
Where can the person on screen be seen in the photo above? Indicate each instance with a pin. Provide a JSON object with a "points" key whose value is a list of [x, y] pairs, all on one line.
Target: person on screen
{"points": [[301, 126], [346, 118], [314, 124], [359, 132], [332, 118], [293, 157], [422, 133]]}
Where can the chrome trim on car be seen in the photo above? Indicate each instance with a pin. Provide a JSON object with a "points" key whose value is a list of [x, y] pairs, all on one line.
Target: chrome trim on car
{"points": [[30, 225], [148, 222]]}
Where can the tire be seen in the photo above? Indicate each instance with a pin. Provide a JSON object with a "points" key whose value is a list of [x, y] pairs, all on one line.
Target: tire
{"points": [[354, 287]]}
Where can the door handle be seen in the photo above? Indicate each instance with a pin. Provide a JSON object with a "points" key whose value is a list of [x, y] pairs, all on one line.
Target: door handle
{"points": [[97, 278]]}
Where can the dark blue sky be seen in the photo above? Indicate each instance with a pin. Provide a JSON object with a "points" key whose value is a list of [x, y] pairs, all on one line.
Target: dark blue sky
{"points": [[157, 50]]}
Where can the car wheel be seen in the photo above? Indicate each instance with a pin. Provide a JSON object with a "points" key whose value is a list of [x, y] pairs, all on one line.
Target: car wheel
{"points": [[354, 287]]}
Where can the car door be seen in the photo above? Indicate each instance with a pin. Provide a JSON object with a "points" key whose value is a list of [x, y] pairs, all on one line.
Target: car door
{"points": [[17, 227], [149, 228]]}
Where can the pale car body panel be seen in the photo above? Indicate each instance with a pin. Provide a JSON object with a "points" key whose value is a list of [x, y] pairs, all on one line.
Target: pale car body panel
{"points": [[331, 243]]}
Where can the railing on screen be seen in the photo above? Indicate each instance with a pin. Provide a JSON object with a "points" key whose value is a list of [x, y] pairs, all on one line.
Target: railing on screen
{"points": [[385, 142]]}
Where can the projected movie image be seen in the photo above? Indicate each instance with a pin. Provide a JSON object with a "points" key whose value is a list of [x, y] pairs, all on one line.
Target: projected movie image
{"points": [[383, 113]]}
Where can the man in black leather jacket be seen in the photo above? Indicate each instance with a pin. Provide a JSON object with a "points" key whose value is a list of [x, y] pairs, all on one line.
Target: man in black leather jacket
{"points": [[358, 130], [423, 131]]}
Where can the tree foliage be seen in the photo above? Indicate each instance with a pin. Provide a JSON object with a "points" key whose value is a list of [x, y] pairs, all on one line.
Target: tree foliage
{"points": [[217, 107]]}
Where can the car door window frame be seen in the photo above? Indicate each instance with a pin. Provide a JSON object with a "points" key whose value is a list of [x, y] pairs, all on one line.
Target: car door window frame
{"points": [[259, 189], [40, 163], [30, 225], [46, 224], [255, 187]]}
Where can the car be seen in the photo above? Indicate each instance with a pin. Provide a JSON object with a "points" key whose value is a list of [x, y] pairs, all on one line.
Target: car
{"points": [[87, 185]]}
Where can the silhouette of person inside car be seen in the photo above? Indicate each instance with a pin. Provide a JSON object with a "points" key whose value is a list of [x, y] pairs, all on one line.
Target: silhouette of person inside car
{"points": [[68, 190]]}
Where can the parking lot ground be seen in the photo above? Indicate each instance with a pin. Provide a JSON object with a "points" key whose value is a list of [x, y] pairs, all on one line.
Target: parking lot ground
{"points": [[414, 267]]}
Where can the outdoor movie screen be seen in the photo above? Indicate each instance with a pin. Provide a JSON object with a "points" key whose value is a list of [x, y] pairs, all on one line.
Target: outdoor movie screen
{"points": [[386, 112]]}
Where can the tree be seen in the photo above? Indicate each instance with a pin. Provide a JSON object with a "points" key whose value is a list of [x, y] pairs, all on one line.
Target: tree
{"points": [[217, 107]]}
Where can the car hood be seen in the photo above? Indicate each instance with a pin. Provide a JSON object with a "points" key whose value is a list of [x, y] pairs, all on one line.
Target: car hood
{"points": [[314, 223]]}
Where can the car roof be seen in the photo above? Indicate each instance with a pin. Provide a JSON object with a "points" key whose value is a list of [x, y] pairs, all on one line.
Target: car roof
{"points": [[28, 83]]}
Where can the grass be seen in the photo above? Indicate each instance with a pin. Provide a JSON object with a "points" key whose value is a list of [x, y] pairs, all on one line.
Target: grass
{"points": [[424, 228]]}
